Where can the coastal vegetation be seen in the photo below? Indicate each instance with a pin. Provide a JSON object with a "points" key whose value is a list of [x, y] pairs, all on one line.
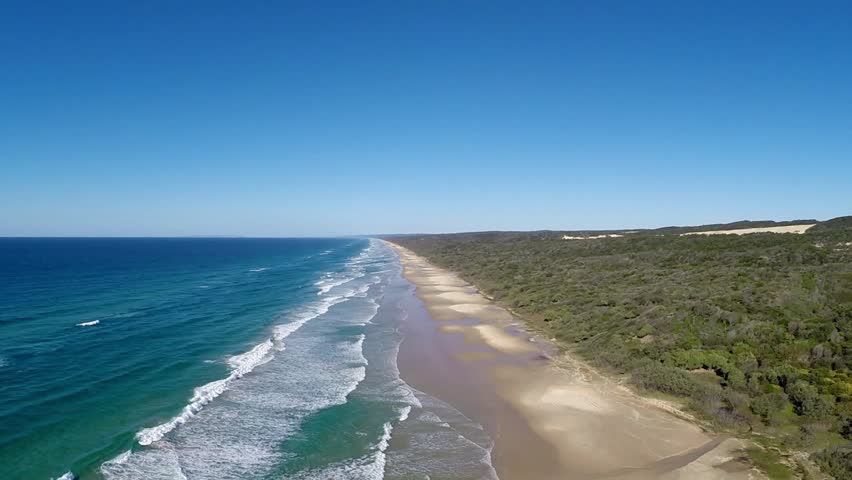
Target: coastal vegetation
{"points": [[753, 331]]}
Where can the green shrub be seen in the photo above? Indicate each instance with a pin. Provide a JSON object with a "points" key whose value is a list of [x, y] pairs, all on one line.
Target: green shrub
{"points": [[656, 376], [646, 330], [835, 461], [735, 378], [807, 401], [769, 406], [769, 462], [845, 428]]}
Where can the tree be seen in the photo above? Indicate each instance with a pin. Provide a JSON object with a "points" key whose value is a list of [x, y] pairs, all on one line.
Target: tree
{"points": [[808, 402], [769, 406], [836, 461]]}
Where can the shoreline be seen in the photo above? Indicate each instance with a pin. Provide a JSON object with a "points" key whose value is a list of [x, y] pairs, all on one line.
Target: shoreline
{"points": [[550, 415]]}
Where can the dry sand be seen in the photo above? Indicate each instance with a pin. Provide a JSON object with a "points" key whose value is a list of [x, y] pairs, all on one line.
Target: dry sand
{"points": [[592, 237], [552, 416], [744, 231]]}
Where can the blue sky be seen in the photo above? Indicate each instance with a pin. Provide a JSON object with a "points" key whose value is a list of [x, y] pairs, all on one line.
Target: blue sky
{"points": [[316, 118]]}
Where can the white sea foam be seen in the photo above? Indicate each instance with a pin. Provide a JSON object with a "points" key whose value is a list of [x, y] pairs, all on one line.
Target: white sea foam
{"points": [[404, 412], [368, 467], [445, 445], [359, 345], [121, 458], [378, 467], [246, 362], [331, 280], [359, 291], [89, 324], [356, 270], [260, 269], [155, 464], [242, 436], [240, 365], [3, 362], [282, 331], [326, 284], [67, 476]]}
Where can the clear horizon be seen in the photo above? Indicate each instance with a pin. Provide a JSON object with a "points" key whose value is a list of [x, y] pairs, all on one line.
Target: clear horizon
{"points": [[383, 234], [298, 119]]}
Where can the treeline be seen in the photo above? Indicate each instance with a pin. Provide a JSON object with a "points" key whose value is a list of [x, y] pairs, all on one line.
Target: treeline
{"points": [[754, 330]]}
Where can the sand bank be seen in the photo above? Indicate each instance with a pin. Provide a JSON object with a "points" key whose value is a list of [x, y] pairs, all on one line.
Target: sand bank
{"points": [[552, 416]]}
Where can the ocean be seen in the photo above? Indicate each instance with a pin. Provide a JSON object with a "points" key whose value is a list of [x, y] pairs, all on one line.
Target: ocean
{"points": [[205, 358]]}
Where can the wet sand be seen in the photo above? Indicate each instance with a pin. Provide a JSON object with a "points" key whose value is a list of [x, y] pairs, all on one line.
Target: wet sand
{"points": [[551, 416]]}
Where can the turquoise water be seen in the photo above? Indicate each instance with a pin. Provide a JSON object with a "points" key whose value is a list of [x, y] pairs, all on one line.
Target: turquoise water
{"points": [[215, 359]]}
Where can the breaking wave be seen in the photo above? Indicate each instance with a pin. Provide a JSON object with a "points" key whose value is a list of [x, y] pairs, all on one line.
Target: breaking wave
{"points": [[264, 352]]}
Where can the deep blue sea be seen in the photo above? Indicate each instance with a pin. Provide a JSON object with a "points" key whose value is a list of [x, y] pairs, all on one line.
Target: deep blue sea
{"points": [[184, 359]]}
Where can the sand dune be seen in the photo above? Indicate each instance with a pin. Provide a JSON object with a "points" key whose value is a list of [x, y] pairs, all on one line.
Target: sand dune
{"points": [[592, 237], [799, 229]]}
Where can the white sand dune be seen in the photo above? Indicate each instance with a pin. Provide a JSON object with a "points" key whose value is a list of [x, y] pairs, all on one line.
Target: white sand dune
{"points": [[592, 237], [799, 229]]}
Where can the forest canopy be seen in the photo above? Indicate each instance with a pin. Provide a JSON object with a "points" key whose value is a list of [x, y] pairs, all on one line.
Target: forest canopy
{"points": [[755, 331]]}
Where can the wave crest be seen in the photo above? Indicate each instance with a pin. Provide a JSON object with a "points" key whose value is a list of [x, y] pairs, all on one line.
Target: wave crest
{"points": [[240, 365], [264, 352]]}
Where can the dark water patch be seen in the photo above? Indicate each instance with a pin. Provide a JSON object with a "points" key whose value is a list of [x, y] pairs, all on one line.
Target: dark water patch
{"points": [[349, 431]]}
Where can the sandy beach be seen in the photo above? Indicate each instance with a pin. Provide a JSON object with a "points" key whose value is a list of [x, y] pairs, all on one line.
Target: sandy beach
{"points": [[551, 416]]}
